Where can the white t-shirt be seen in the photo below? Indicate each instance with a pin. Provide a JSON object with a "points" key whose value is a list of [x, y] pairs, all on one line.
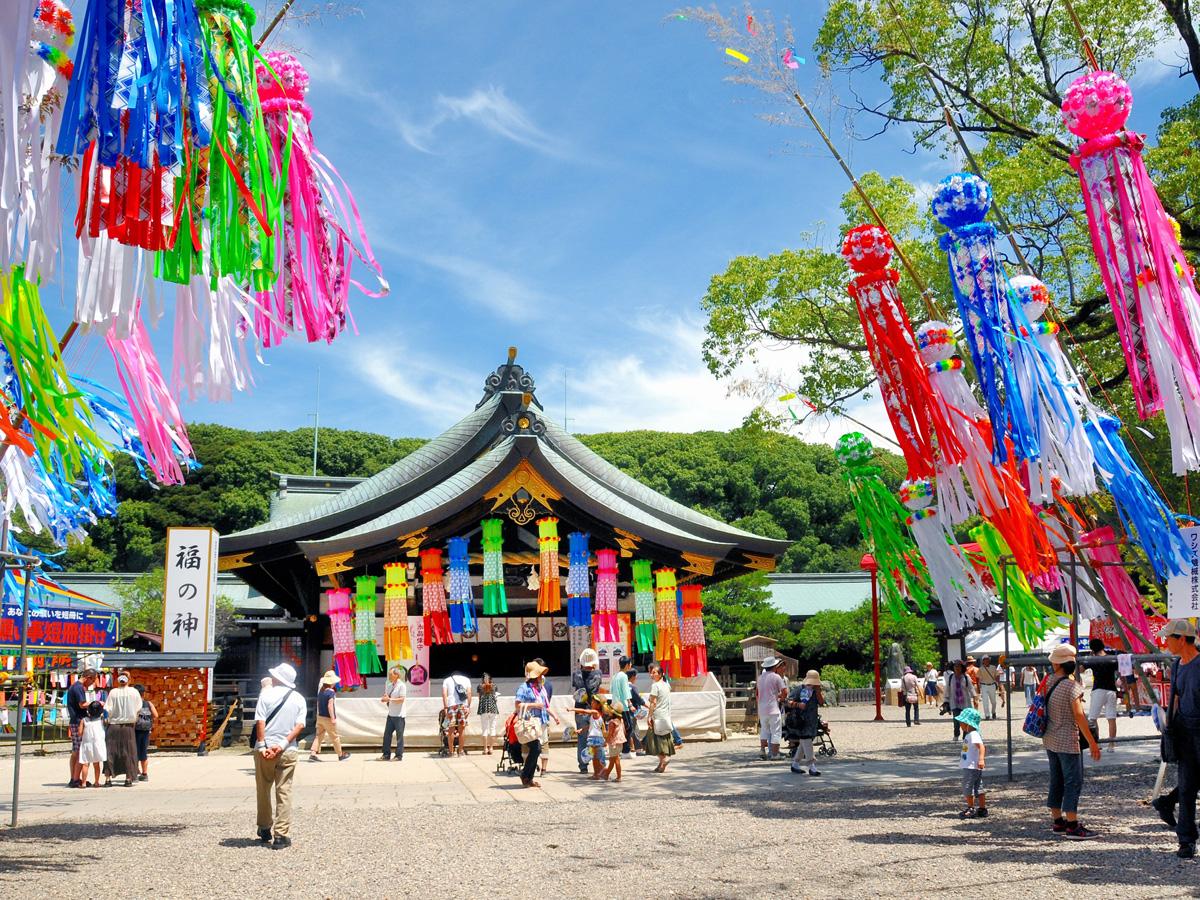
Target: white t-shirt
{"points": [[770, 683], [970, 750], [450, 695], [931, 675], [293, 713], [396, 692], [1029, 675]]}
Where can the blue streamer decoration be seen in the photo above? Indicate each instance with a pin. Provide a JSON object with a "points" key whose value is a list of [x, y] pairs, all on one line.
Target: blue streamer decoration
{"points": [[579, 602], [461, 600]]}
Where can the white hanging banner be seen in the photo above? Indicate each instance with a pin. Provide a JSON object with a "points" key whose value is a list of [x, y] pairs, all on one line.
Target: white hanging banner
{"points": [[190, 602], [1183, 591]]}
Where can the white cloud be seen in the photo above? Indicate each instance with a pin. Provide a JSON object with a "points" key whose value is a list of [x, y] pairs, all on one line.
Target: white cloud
{"points": [[436, 392], [1165, 61], [491, 109], [505, 294]]}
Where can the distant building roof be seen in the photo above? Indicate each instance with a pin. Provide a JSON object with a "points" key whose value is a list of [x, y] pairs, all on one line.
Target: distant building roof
{"points": [[100, 585], [803, 594]]}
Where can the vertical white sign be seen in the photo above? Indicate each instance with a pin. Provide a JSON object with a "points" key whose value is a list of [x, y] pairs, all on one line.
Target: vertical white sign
{"points": [[1183, 591], [189, 607]]}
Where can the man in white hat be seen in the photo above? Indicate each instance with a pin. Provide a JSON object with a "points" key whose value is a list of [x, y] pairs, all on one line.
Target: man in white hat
{"points": [[585, 684], [327, 719], [278, 720], [772, 691], [1184, 718]]}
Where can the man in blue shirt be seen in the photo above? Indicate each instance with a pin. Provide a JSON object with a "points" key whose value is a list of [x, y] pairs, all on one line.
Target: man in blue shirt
{"points": [[77, 704], [1180, 638]]}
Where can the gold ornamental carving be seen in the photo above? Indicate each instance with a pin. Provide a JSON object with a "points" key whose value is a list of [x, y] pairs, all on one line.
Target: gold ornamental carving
{"points": [[521, 492], [233, 561], [333, 563], [700, 565], [759, 563], [412, 541], [626, 540]]}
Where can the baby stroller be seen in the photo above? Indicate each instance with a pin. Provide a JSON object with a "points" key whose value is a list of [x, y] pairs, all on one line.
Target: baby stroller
{"points": [[511, 757], [442, 733], [822, 743]]}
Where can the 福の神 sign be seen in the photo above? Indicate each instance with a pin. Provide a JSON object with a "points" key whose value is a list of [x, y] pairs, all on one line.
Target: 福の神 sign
{"points": [[1183, 591], [190, 603]]}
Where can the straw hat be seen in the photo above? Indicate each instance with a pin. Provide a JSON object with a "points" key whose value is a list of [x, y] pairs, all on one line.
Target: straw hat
{"points": [[533, 670], [1178, 628], [812, 678], [284, 674], [1062, 653], [770, 662], [330, 677]]}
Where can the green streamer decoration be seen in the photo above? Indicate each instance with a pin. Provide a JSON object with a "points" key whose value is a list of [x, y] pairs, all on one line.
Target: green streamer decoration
{"points": [[903, 576], [58, 415], [645, 631], [1031, 619], [231, 205], [495, 600], [364, 626]]}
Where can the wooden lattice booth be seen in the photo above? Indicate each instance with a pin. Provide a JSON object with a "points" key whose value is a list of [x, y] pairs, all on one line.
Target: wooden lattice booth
{"points": [[177, 685]]}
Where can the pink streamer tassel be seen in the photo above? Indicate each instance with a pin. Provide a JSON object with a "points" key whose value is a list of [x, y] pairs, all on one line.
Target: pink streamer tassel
{"points": [[156, 415], [1122, 593]]}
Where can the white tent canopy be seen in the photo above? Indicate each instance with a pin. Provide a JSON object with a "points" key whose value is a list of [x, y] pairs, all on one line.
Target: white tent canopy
{"points": [[990, 639]]}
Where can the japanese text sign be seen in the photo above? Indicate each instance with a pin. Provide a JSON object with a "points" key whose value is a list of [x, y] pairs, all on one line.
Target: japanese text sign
{"points": [[190, 604], [1183, 591]]}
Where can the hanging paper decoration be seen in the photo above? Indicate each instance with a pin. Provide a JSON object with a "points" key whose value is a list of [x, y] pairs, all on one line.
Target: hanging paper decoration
{"points": [[920, 424], [314, 245], [462, 603], [995, 492], [495, 601], [345, 657], [364, 626], [605, 624], [643, 598], [695, 650], [160, 426], [549, 589], [31, 178], [1145, 272], [433, 599], [211, 331], [1119, 589], [1144, 514], [579, 601], [902, 573], [963, 598], [396, 641], [1031, 619], [668, 646]]}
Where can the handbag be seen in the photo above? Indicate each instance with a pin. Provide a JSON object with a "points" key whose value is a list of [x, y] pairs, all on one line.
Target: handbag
{"points": [[527, 729], [1035, 717], [1168, 749]]}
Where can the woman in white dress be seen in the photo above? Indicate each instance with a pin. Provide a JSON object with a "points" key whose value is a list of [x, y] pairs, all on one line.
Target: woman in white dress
{"points": [[92, 749]]}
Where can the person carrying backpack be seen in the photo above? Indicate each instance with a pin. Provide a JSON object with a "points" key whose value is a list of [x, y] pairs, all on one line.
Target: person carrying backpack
{"points": [[141, 731]]}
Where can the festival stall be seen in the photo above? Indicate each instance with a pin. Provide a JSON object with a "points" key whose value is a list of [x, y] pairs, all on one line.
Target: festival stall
{"points": [[501, 540]]}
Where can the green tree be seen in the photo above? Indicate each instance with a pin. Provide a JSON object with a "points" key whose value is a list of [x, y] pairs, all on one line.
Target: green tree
{"points": [[142, 607], [738, 608], [844, 638]]}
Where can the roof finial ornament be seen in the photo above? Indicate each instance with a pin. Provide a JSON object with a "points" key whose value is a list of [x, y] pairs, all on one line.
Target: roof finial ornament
{"points": [[508, 378]]}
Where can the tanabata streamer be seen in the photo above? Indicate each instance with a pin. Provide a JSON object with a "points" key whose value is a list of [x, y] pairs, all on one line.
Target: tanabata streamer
{"points": [[212, 328], [549, 588], [433, 599], [995, 492], [1031, 619], [314, 245], [963, 598], [1101, 547], [902, 573], [462, 603], [364, 626], [579, 601], [1149, 283], [1017, 379], [668, 646], [495, 600], [695, 649], [605, 626], [397, 644], [345, 658], [643, 599], [917, 419], [160, 426]]}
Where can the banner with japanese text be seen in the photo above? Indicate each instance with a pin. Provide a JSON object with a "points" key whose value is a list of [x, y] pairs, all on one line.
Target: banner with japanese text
{"points": [[1183, 591], [190, 604]]}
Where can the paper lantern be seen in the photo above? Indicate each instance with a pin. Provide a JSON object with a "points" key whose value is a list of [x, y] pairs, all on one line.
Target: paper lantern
{"points": [[462, 603], [495, 601], [1146, 275], [345, 656], [549, 588], [579, 601], [695, 649], [643, 597], [364, 626], [668, 646], [433, 599], [1031, 619], [397, 644], [902, 573], [605, 624], [918, 421], [962, 596]]}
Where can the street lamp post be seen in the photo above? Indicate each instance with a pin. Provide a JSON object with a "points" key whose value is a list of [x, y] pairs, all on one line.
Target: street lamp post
{"points": [[868, 564]]}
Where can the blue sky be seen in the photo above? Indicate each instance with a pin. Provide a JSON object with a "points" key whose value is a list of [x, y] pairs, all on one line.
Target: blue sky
{"points": [[565, 177]]}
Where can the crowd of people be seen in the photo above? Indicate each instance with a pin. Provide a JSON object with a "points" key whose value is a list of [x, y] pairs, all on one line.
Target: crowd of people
{"points": [[109, 736]]}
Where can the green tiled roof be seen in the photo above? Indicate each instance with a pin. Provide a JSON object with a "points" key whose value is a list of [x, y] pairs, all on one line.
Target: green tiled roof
{"points": [[803, 594]]}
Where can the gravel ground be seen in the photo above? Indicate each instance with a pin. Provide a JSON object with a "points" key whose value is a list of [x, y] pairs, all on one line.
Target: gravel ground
{"points": [[795, 836]]}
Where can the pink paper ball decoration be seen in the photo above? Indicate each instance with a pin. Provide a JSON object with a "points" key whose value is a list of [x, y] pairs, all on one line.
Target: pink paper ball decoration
{"points": [[1097, 103], [867, 248]]}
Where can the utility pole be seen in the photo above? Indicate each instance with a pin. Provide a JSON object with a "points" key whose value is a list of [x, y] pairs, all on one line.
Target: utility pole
{"points": [[317, 422]]}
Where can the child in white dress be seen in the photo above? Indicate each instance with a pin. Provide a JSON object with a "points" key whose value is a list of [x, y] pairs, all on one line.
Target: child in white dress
{"points": [[92, 749]]}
